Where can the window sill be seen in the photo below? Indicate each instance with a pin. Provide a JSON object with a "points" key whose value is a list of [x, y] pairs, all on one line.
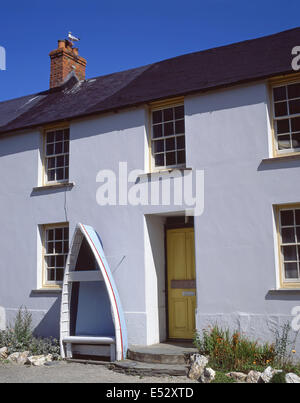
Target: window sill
{"points": [[54, 186], [284, 290], [279, 158], [159, 173], [47, 291]]}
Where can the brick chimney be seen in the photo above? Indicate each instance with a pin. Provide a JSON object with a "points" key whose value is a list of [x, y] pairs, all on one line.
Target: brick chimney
{"points": [[64, 60]]}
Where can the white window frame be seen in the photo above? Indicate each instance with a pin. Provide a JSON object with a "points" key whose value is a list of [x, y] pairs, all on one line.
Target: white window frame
{"points": [[64, 154], [154, 167], [45, 253]]}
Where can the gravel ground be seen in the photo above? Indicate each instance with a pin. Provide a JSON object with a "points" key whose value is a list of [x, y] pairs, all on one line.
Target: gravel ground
{"points": [[63, 372]]}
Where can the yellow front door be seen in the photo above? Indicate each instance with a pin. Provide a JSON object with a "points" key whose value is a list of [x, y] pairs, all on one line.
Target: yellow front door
{"points": [[181, 282]]}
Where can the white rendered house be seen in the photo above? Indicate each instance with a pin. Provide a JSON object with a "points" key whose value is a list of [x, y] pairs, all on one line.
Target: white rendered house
{"points": [[230, 114]]}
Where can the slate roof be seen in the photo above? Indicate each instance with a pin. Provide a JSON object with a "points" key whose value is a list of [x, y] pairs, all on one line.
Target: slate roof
{"points": [[191, 73]]}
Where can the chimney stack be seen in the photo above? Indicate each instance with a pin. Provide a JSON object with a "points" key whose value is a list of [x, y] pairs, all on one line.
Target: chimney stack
{"points": [[64, 60]]}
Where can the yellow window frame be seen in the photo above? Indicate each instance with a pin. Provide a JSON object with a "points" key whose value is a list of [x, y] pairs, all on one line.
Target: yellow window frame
{"points": [[153, 106], [275, 82], [46, 227], [277, 209], [45, 130]]}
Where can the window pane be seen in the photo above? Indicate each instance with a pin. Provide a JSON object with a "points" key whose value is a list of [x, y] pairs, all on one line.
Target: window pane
{"points": [[168, 129], [180, 157], [294, 106], [159, 160], [157, 131], [67, 134], [288, 235], [66, 173], [60, 161], [281, 109], [66, 147], [58, 234], [294, 90], [50, 261], [287, 217], [289, 253], [50, 137], [159, 145], [66, 247], [50, 149], [157, 117], [295, 124], [297, 214], [51, 275], [50, 234], [284, 142], [291, 270], [179, 112], [179, 127], [279, 93], [59, 275], [170, 159], [51, 175], [49, 247], [66, 233], [296, 140], [51, 162], [283, 126], [59, 174], [58, 247], [298, 234], [168, 114], [58, 148], [170, 144], [180, 142], [60, 261], [59, 135]]}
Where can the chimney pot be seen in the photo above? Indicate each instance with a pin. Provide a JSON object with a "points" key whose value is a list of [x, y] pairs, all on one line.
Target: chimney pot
{"points": [[61, 44]]}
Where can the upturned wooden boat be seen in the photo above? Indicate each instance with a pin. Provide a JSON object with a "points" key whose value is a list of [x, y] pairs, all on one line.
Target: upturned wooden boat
{"points": [[92, 321]]}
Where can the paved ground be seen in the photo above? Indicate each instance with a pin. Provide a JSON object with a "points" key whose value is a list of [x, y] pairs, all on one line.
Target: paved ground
{"points": [[64, 372]]}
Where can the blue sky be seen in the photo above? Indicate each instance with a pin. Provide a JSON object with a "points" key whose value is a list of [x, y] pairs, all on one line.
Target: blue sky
{"points": [[121, 34]]}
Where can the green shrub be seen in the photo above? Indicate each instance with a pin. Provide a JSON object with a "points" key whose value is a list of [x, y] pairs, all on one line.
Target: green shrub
{"points": [[222, 378], [18, 337], [278, 378], [284, 345], [233, 351]]}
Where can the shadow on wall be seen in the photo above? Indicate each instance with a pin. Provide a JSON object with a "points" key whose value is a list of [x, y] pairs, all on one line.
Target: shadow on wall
{"points": [[156, 264], [269, 165], [49, 325]]}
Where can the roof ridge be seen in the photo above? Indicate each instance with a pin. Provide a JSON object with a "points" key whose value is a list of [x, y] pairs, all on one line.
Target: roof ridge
{"points": [[232, 44]]}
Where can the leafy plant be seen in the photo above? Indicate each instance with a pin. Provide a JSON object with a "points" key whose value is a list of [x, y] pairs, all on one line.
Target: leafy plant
{"points": [[233, 351], [284, 345], [222, 378], [18, 337], [278, 378]]}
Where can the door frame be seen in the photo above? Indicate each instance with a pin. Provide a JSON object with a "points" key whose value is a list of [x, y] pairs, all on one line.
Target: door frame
{"points": [[173, 223]]}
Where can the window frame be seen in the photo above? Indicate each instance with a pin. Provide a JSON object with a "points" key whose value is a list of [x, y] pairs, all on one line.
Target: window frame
{"points": [[273, 83], [285, 283], [157, 106], [51, 284], [46, 130]]}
